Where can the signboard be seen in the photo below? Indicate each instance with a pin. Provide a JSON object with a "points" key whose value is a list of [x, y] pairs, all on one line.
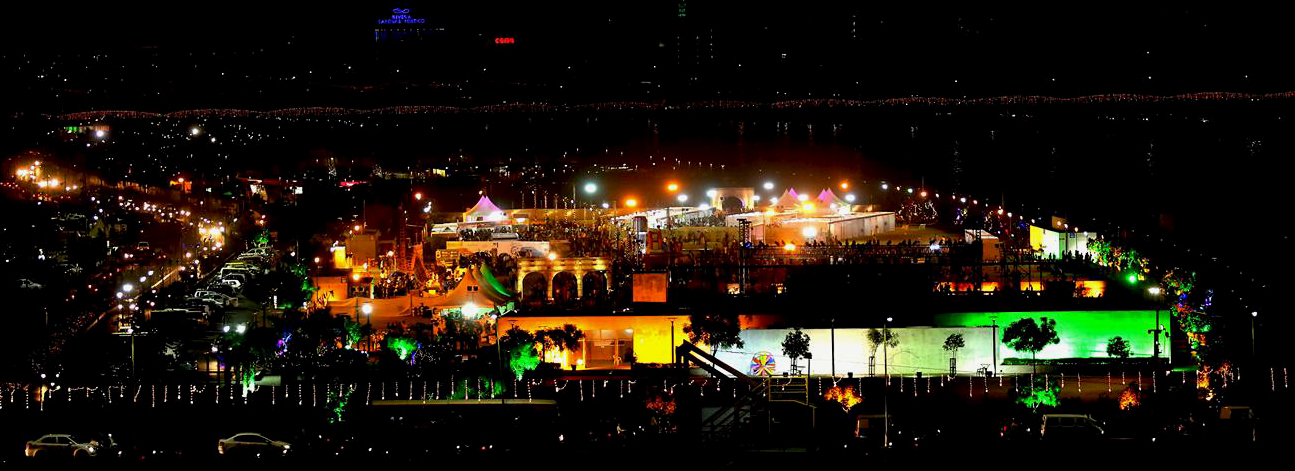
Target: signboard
{"points": [[401, 16], [515, 248], [650, 287]]}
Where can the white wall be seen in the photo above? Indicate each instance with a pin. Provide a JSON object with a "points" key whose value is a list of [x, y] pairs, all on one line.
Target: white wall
{"points": [[920, 349]]}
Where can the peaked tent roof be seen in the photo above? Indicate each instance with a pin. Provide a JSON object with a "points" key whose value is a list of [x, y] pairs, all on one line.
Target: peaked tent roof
{"points": [[828, 198], [484, 206], [471, 289], [789, 199]]}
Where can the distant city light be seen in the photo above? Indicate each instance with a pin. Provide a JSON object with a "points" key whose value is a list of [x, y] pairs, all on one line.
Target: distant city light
{"points": [[605, 205]]}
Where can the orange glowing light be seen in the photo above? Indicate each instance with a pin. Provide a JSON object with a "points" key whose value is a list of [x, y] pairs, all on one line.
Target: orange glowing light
{"points": [[673, 187], [846, 396], [789, 247], [418, 196], [355, 277], [845, 186], [1128, 399], [630, 203], [357, 228]]}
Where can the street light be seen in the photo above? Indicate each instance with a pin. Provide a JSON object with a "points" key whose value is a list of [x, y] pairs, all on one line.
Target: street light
{"points": [[683, 198], [127, 287], [418, 196], [849, 197], [711, 193], [630, 203], [673, 187], [590, 188], [1253, 316], [768, 185]]}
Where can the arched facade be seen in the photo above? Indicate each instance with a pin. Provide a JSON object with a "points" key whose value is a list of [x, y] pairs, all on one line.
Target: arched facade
{"points": [[548, 270], [533, 287], [746, 195]]}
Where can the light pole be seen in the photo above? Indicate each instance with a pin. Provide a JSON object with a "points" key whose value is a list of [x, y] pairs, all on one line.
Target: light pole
{"points": [[1254, 315], [1155, 352], [367, 309], [885, 369], [673, 357], [833, 348]]}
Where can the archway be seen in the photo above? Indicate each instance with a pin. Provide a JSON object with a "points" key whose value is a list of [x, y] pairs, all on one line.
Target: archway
{"points": [[535, 287], [732, 204], [594, 287], [564, 288]]}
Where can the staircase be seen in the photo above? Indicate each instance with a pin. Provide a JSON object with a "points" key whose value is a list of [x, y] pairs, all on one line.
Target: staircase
{"points": [[738, 421]]}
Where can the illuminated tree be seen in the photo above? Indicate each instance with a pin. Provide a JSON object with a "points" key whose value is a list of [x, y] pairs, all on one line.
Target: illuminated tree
{"points": [[718, 330], [796, 345], [1025, 335], [519, 346]]}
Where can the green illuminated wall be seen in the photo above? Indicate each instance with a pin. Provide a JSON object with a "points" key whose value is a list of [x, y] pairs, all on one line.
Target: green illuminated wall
{"points": [[1084, 334]]}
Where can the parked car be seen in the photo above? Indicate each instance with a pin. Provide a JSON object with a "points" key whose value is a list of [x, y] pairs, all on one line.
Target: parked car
{"points": [[1070, 427], [233, 283], [61, 445], [253, 444], [242, 278]]}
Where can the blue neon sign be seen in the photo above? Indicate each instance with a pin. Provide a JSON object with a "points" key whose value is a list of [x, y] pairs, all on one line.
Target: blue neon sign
{"points": [[401, 16]]}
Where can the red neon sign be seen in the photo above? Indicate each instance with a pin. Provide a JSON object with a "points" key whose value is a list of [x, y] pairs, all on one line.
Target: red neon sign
{"points": [[504, 40]]}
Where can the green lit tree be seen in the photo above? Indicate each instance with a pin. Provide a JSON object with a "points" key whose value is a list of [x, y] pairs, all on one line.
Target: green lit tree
{"points": [[796, 346], [520, 350], [1026, 335], [718, 330]]}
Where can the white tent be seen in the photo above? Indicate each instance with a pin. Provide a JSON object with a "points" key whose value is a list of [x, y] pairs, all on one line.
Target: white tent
{"points": [[484, 210]]}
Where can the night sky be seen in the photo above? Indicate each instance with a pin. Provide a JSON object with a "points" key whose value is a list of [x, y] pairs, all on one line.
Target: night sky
{"points": [[858, 51]]}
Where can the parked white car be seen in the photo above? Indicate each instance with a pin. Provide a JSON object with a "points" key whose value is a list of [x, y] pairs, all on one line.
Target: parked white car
{"points": [[53, 445]]}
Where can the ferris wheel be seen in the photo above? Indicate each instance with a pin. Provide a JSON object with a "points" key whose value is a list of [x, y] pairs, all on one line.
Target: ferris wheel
{"points": [[762, 364]]}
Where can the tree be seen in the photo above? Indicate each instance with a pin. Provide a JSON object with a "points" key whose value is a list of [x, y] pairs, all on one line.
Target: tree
{"points": [[1025, 335], [520, 347], [796, 345], [718, 330], [878, 337], [1117, 347], [565, 339], [952, 344]]}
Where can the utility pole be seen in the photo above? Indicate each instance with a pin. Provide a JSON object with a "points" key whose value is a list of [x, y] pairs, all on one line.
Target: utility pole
{"points": [[885, 369], [993, 345], [833, 348]]}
